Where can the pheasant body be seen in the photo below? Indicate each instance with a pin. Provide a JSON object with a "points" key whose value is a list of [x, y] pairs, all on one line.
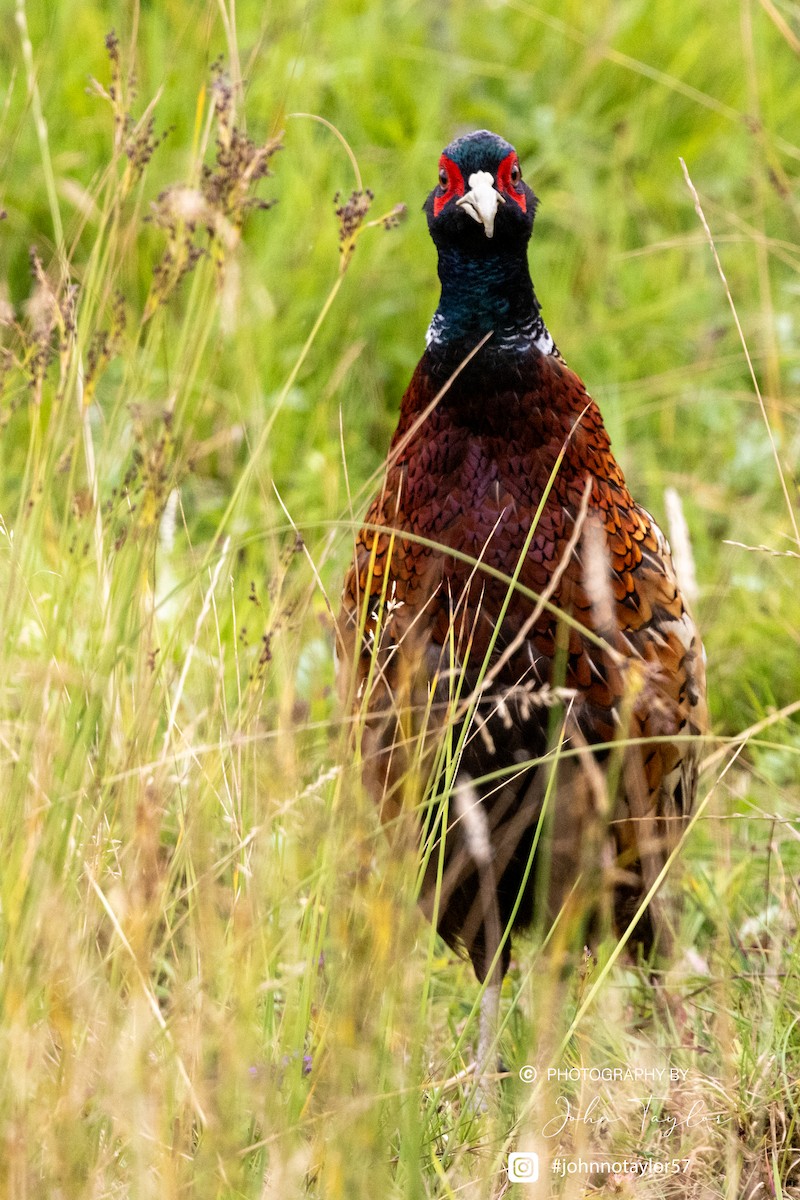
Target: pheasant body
{"points": [[504, 568]]}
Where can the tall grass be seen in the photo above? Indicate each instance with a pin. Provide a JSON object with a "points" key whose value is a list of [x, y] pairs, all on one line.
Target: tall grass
{"points": [[215, 980]]}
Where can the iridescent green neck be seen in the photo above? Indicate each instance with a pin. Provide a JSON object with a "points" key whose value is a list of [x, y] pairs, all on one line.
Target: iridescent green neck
{"points": [[482, 293]]}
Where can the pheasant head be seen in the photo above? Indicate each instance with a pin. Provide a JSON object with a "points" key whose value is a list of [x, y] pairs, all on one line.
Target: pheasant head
{"points": [[480, 216]]}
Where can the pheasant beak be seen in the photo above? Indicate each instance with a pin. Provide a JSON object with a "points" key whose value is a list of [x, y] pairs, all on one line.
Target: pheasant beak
{"points": [[481, 200]]}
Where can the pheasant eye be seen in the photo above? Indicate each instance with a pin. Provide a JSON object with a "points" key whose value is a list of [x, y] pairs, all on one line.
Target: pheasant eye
{"points": [[451, 184], [509, 177]]}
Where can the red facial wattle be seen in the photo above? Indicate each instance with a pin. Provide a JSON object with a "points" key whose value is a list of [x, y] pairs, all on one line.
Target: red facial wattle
{"points": [[506, 185], [455, 184]]}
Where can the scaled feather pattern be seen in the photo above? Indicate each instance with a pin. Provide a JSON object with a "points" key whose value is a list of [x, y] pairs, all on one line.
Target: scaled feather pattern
{"points": [[527, 676]]}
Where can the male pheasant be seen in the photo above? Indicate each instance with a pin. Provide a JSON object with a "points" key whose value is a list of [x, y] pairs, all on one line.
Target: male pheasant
{"points": [[512, 632]]}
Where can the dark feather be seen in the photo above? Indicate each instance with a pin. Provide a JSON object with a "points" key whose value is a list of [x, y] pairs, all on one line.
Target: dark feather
{"points": [[419, 624]]}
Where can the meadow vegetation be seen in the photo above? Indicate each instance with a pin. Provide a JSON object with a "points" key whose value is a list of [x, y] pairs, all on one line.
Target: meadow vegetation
{"points": [[215, 980]]}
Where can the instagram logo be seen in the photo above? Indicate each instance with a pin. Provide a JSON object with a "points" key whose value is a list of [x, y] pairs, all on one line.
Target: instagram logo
{"points": [[523, 1167]]}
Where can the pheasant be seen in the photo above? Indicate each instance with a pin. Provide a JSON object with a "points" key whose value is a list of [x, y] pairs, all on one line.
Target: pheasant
{"points": [[512, 636]]}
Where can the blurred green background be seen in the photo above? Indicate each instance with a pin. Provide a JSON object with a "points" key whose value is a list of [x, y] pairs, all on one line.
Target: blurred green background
{"points": [[130, 682], [600, 101]]}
